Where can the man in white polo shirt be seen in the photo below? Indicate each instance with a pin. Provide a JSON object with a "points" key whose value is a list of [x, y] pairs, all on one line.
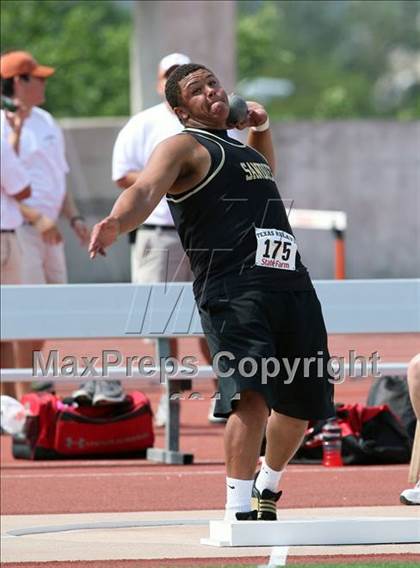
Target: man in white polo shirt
{"points": [[156, 252], [38, 140], [14, 187]]}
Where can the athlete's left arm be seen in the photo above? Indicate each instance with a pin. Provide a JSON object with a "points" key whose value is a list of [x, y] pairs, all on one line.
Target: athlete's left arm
{"points": [[260, 141]]}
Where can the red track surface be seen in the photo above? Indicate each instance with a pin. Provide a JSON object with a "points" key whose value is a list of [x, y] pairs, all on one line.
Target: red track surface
{"points": [[410, 560], [124, 485]]}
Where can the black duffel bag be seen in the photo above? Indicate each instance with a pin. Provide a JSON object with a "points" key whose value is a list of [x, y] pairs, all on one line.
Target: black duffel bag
{"points": [[393, 391], [370, 435]]}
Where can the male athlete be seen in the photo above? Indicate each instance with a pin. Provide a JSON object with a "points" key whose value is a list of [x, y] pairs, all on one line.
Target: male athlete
{"points": [[258, 308]]}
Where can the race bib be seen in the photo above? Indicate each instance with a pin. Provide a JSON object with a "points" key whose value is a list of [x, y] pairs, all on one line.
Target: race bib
{"points": [[275, 249]]}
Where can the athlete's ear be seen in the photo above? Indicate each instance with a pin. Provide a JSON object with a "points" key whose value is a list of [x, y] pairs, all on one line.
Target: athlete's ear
{"points": [[182, 114]]}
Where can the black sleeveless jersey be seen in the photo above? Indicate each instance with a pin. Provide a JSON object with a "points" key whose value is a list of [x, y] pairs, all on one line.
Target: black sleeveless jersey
{"points": [[233, 224]]}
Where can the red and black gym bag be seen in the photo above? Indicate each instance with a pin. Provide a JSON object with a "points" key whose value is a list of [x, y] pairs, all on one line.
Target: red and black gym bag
{"points": [[370, 435], [55, 430]]}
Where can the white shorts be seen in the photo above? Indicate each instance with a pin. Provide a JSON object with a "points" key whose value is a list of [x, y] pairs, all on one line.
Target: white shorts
{"points": [[158, 256], [11, 259], [42, 263]]}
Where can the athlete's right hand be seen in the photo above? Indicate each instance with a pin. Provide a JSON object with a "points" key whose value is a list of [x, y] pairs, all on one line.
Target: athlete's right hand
{"points": [[104, 234]]}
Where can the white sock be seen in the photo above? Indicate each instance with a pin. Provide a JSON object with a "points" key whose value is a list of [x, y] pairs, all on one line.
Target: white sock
{"points": [[238, 497], [268, 478]]}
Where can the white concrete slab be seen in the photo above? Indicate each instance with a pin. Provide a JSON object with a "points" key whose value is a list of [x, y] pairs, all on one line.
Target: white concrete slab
{"points": [[317, 531]]}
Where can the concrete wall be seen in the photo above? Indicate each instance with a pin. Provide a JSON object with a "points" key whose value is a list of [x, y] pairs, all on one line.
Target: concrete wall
{"points": [[369, 169], [89, 144]]}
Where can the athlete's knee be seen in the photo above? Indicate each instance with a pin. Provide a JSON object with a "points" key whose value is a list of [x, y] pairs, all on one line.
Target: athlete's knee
{"points": [[276, 418], [252, 401]]}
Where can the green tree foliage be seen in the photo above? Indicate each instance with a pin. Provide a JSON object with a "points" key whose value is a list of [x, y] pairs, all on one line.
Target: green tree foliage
{"points": [[88, 43], [346, 58]]}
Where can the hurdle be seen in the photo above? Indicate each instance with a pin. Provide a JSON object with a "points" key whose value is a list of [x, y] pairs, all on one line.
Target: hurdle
{"points": [[162, 311], [321, 220]]}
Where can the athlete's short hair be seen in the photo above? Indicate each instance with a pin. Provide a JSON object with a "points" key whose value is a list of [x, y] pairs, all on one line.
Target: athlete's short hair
{"points": [[172, 90]]}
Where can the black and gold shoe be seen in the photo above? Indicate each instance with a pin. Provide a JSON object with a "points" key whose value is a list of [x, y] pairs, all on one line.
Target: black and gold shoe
{"points": [[265, 504]]}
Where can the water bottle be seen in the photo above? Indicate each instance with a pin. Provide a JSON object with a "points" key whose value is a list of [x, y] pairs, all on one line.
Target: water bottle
{"points": [[331, 444]]}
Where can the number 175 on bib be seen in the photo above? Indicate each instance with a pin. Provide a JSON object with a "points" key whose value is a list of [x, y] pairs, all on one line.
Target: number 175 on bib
{"points": [[275, 249]]}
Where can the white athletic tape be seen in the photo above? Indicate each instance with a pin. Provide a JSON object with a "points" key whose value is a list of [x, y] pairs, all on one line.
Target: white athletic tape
{"points": [[277, 558]]}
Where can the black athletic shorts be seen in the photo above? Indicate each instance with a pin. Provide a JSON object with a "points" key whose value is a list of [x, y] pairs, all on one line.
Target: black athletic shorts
{"points": [[263, 341]]}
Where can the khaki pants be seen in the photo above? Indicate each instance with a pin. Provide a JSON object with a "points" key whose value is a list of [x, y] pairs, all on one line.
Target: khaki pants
{"points": [[158, 256], [11, 273], [42, 263], [11, 259]]}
